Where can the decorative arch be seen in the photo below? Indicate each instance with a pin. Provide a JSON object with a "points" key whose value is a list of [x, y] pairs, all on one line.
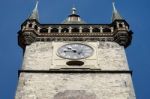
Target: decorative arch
{"points": [[75, 30], [106, 30], [44, 30], [54, 30], [96, 30], [85, 30], [65, 30]]}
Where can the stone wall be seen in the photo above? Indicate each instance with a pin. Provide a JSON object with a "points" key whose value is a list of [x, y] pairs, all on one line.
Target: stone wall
{"points": [[75, 86], [106, 56]]}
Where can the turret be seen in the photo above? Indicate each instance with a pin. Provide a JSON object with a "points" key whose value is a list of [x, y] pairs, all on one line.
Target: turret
{"points": [[123, 35], [28, 28], [73, 18]]}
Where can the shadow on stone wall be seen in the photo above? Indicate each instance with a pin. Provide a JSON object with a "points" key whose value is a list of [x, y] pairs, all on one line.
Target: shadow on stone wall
{"points": [[75, 94]]}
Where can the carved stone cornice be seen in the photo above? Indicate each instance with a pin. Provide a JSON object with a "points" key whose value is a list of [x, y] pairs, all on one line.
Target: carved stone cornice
{"points": [[32, 31]]}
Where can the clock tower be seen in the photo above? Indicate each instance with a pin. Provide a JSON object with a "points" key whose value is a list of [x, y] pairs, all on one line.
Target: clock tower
{"points": [[74, 59]]}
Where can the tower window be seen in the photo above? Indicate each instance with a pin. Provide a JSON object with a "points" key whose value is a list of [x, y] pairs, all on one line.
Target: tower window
{"points": [[75, 30], [120, 25], [96, 30], [65, 30], [86, 30], [106, 30], [30, 25], [44, 30], [54, 30]]}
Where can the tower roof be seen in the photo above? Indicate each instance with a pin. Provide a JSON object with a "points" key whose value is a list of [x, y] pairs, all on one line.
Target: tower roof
{"points": [[35, 14], [73, 18], [115, 13]]}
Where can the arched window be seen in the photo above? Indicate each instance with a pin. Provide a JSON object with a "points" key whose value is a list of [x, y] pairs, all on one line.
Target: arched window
{"points": [[65, 30], [54, 30], [120, 25], [44, 30], [106, 30], [86, 30], [96, 30], [75, 30]]}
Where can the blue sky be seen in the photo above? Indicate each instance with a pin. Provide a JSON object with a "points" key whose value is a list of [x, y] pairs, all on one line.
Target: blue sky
{"points": [[14, 12]]}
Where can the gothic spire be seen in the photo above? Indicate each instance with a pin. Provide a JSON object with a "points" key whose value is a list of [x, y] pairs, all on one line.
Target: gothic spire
{"points": [[73, 18], [115, 14], [35, 14]]}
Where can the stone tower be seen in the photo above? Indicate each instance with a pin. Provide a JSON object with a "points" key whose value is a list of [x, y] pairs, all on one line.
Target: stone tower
{"points": [[75, 60]]}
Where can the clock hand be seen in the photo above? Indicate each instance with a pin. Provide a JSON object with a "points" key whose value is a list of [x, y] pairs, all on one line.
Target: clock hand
{"points": [[72, 50], [80, 52], [67, 50], [75, 51]]}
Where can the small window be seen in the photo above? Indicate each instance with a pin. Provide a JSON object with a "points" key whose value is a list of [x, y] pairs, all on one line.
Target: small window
{"points": [[120, 25], [106, 30], [86, 30], [75, 30], [54, 30], [96, 30], [30, 25], [75, 63], [44, 30], [65, 30]]}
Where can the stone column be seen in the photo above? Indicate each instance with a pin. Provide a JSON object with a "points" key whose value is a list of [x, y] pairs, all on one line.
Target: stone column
{"points": [[80, 29], [39, 29], [70, 29], [49, 29], [91, 29], [59, 29], [101, 29], [33, 24], [112, 29]]}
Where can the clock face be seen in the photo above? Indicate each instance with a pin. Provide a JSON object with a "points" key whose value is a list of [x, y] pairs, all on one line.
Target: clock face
{"points": [[75, 51]]}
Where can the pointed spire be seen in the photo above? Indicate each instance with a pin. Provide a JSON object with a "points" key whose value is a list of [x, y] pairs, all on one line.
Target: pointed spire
{"points": [[115, 14], [35, 14]]}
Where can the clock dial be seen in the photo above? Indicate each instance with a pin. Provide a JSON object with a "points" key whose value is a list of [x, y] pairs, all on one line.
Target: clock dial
{"points": [[75, 51]]}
